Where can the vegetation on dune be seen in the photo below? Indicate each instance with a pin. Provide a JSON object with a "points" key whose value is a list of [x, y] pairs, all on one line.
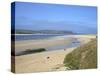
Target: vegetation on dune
{"points": [[30, 51], [83, 57]]}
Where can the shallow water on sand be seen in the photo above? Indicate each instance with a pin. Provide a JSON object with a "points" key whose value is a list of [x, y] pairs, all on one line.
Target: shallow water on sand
{"points": [[74, 43]]}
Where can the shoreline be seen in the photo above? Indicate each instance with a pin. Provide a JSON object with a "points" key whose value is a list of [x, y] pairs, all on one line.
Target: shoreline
{"points": [[35, 44], [21, 46]]}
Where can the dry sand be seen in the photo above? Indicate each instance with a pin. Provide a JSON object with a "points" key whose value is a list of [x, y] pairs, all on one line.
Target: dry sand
{"points": [[45, 61]]}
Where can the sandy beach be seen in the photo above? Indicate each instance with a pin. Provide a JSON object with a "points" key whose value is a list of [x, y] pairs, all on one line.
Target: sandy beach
{"points": [[45, 61]]}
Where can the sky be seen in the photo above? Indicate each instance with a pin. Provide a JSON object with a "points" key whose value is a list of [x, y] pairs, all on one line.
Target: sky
{"points": [[39, 16]]}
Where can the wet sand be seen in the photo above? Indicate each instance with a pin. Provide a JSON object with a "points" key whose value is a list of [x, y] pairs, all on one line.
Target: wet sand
{"points": [[21, 46]]}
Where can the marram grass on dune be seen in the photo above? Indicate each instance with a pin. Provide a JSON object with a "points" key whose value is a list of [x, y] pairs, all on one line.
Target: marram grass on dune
{"points": [[83, 57]]}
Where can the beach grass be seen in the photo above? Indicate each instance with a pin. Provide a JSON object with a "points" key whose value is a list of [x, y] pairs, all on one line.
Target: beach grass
{"points": [[83, 57]]}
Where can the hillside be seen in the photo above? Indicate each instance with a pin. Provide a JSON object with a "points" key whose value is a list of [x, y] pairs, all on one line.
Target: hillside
{"points": [[18, 31], [83, 57]]}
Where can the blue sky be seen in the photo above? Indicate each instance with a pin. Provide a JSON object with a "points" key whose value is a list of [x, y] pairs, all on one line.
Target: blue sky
{"points": [[38, 16]]}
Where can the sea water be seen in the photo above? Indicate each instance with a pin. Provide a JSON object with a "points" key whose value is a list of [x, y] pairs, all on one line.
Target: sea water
{"points": [[20, 37]]}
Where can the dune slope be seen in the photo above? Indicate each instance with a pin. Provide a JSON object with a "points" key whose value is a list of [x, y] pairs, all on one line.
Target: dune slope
{"points": [[83, 57]]}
